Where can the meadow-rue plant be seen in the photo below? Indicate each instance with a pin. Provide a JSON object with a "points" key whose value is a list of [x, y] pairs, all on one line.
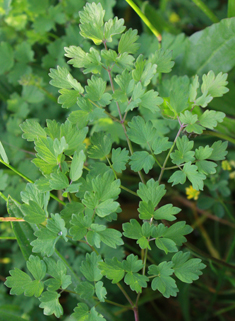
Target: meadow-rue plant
{"points": [[81, 159]]}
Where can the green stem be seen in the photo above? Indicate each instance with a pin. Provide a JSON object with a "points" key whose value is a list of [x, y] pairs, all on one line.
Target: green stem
{"points": [[121, 119], [111, 166], [201, 5], [114, 303], [125, 294], [3, 196], [29, 180], [227, 210], [168, 155], [154, 156], [128, 190], [145, 19], [220, 135], [7, 238]]}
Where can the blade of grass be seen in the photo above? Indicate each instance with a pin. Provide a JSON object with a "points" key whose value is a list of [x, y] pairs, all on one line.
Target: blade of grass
{"points": [[145, 19], [231, 8], [201, 5]]}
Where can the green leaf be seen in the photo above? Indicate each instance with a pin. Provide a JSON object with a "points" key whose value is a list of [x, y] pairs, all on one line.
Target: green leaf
{"points": [[151, 191], [111, 237], [177, 231], [127, 42], [113, 27], [126, 84], [36, 267], [125, 61], [214, 85], [119, 159], [163, 282], [20, 282], [85, 290], [206, 167], [73, 136], [132, 263], [77, 165], [96, 91], [100, 291], [33, 213], [194, 176], [163, 59], [203, 152], [107, 207], [58, 271], [184, 153], [3, 154], [61, 78], [48, 237], [140, 132], [191, 120], [161, 144], [179, 93], [146, 210], [166, 212], [91, 19], [68, 98], [79, 118], [193, 89], [143, 71], [165, 244], [100, 145], [136, 281], [6, 57], [203, 100], [132, 230], [81, 312], [151, 101], [32, 130], [50, 303], [219, 151], [141, 160], [112, 269], [58, 181], [210, 118], [217, 43], [185, 269], [91, 61], [89, 267], [45, 150], [179, 177], [80, 226]]}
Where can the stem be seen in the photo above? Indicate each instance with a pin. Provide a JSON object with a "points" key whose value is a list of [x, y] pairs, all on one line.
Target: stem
{"points": [[231, 8], [28, 180], [126, 295], [220, 135], [201, 5], [128, 190], [3, 196], [121, 119], [168, 155], [145, 19]]}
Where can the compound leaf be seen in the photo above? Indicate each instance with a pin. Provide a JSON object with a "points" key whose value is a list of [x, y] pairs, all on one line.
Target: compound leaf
{"points": [[185, 269], [141, 160], [89, 267]]}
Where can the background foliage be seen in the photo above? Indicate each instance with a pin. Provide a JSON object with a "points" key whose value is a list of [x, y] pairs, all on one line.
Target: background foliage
{"points": [[33, 35]]}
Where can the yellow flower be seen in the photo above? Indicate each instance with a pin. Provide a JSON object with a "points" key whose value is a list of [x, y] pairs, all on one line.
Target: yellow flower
{"points": [[232, 175], [174, 17], [192, 193], [226, 166], [87, 142]]}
